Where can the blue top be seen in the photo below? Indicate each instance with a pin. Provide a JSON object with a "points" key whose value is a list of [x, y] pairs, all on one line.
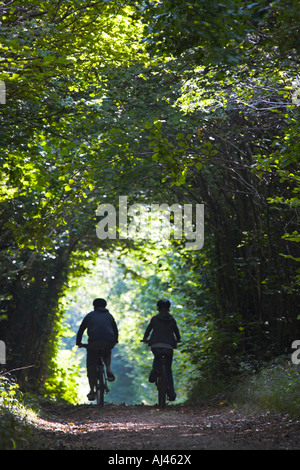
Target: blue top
{"points": [[100, 325]]}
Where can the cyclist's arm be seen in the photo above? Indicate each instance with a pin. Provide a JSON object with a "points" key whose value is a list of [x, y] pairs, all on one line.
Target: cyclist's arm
{"points": [[82, 327], [176, 332], [148, 330], [115, 328]]}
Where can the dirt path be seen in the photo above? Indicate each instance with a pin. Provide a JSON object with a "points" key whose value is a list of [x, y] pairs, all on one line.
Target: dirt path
{"points": [[178, 427]]}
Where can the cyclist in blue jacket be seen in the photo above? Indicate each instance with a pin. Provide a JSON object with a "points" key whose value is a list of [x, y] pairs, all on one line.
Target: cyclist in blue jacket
{"points": [[164, 338], [102, 333]]}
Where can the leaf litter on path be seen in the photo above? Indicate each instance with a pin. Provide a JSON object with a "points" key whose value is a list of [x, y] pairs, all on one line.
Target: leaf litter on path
{"points": [[177, 427]]}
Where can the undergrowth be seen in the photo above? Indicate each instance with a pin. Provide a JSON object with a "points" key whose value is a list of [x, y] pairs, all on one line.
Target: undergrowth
{"points": [[274, 388], [15, 432]]}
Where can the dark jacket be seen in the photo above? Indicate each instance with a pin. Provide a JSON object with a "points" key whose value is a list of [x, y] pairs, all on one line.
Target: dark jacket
{"points": [[164, 329], [101, 326]]}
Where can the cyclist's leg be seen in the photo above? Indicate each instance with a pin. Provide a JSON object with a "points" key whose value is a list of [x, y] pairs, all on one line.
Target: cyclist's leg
{"points": [[155, 366], [154, 371], [91, 365], [92, 394], [107, 362], [107, 346]]}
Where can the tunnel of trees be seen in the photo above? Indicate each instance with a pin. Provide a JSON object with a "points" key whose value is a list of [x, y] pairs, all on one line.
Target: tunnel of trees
{"points": [[163, 102]]}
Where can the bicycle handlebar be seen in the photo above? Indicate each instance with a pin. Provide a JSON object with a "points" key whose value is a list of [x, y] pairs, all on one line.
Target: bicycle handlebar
{"points": [[146, 341]]}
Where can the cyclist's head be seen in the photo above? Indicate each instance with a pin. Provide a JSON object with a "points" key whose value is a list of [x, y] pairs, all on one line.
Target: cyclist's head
{"points": [[163, 304], [99, 303]]}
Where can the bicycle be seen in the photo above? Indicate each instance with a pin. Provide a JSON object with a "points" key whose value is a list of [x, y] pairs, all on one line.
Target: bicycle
{"points": [[101, 379], [162, 380]]}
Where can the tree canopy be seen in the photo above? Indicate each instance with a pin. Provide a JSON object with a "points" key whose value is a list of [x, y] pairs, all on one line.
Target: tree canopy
{"points": [[165, 102]]}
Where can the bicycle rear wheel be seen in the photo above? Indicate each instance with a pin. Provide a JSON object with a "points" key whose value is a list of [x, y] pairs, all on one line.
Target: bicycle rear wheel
{"points": [[162, 386], [100, 386]]}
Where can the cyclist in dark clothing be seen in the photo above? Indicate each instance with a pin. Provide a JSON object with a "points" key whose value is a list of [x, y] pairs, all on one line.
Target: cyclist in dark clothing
{"points": [[102, 333], [164, 338]]}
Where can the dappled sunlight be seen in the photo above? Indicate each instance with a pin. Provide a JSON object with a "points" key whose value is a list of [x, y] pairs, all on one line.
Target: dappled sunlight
{"points": [[147, 427]]}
